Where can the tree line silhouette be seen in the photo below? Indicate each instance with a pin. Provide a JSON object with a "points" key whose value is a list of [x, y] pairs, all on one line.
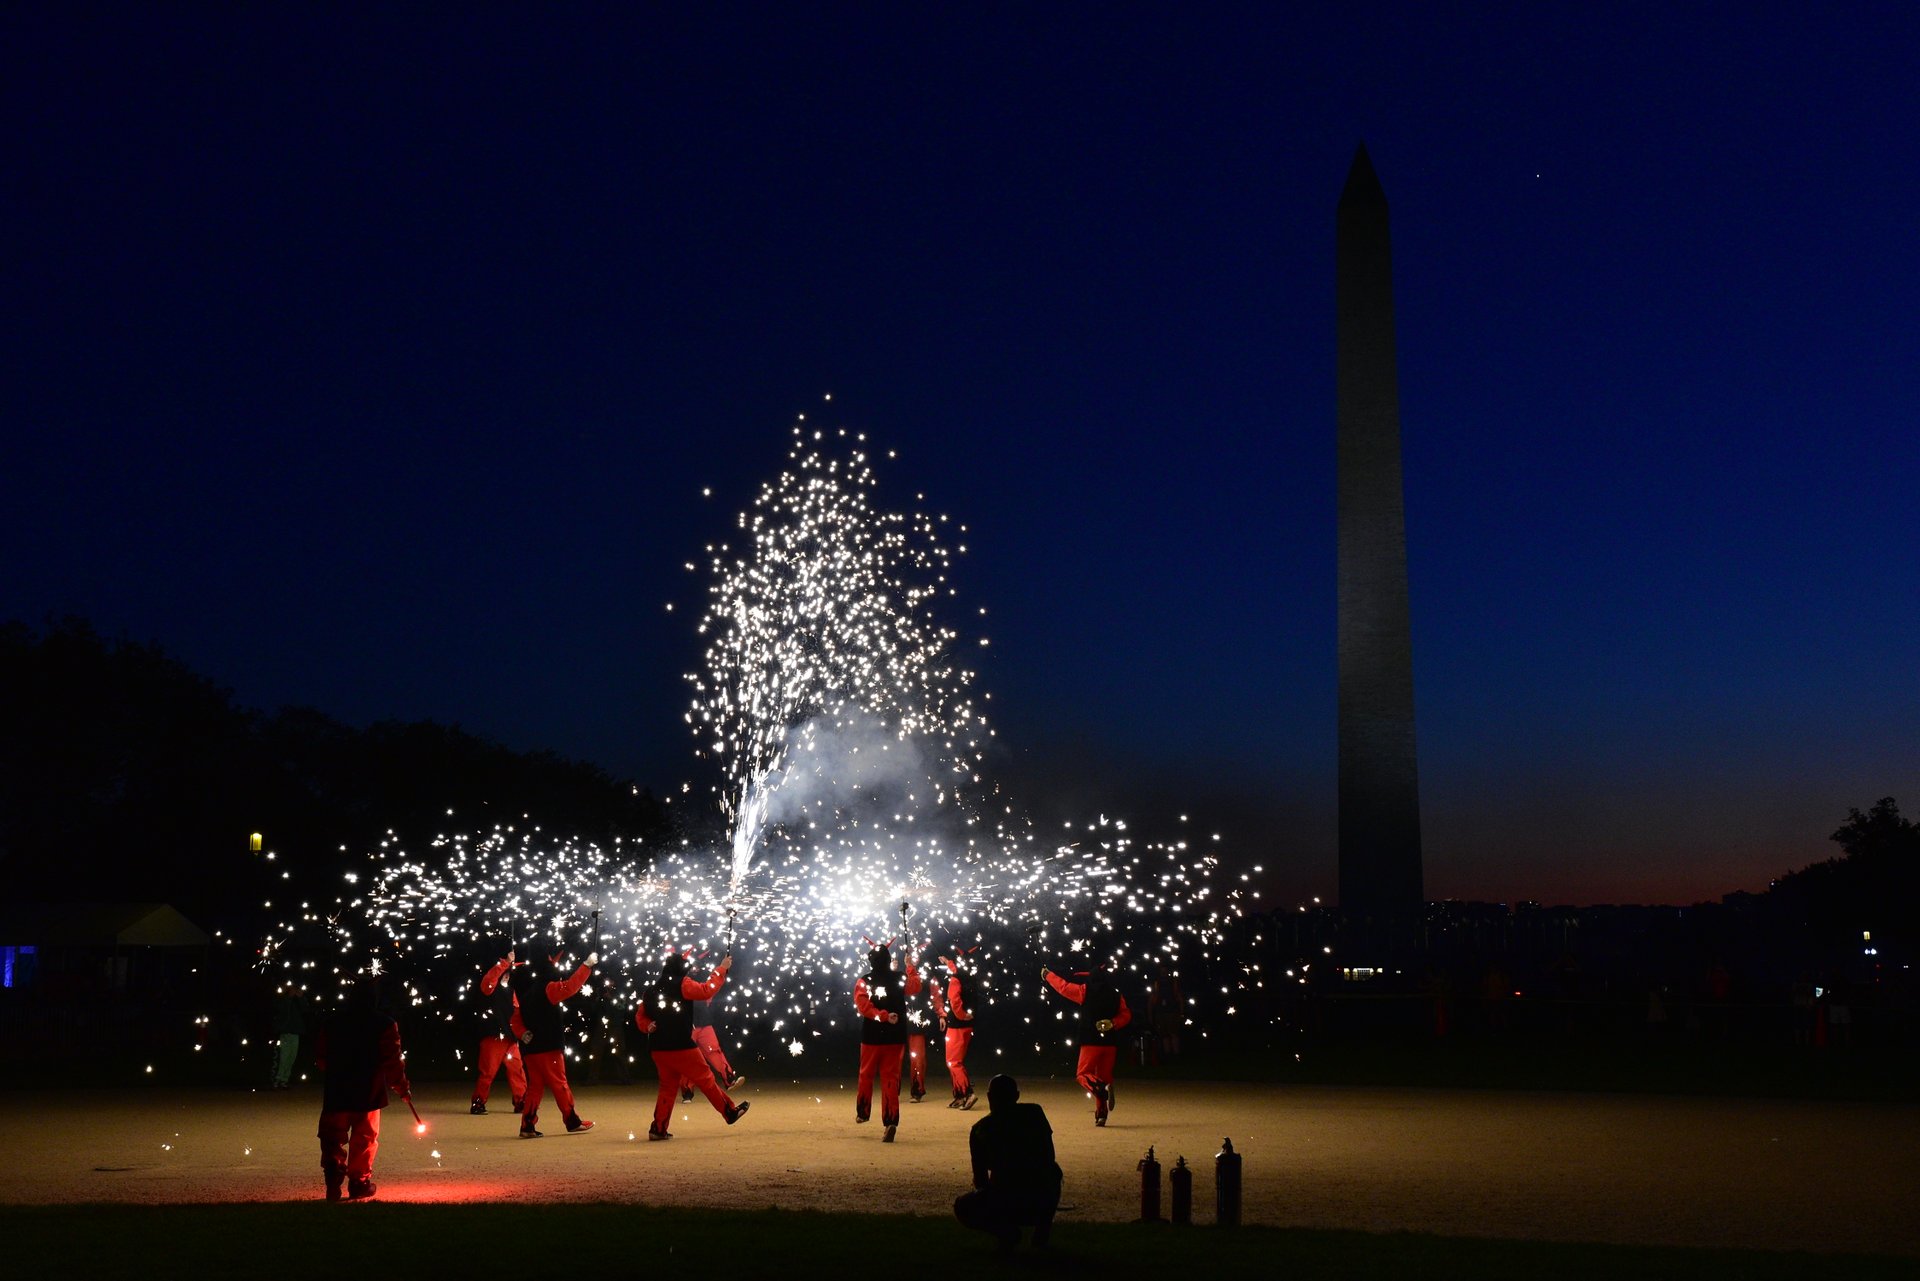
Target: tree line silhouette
{"points": [[124, 775]]}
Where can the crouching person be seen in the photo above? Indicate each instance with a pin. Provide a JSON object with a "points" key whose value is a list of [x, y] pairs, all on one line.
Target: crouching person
{"points": [[359, 1050], [1015, 1179]]}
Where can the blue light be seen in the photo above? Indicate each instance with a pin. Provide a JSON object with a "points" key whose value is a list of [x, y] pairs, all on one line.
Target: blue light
{"points": [[7, 955]]}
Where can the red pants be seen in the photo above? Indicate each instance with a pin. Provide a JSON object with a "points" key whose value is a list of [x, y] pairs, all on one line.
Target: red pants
{"points": [[1094, 1071], [675, 1066], [882, 1061], [348, 1142], [957, 1039], [546, 1070], [708, 1043], [917, 1063], [494, 1051]]}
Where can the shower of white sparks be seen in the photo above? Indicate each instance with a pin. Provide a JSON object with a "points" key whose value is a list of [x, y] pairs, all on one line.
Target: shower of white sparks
{"points": [[851, 761]]}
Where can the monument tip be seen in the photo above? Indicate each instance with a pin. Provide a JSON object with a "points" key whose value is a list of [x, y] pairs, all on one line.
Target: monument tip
{"points": [[1363, 184]]}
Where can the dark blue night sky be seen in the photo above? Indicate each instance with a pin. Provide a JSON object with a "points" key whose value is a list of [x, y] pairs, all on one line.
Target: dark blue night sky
{"points": [[379, 363]]}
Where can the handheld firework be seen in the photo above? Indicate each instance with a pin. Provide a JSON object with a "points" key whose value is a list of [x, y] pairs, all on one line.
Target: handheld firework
{"points": [[419, 1126]]}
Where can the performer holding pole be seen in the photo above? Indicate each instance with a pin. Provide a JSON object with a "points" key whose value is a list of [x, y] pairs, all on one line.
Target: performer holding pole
{"points": [[881, 997], [1103, 1011], [499, 1046], [665, 1017], [921, 1019], [707, 1040], [956, 1009], [541, 1027]]}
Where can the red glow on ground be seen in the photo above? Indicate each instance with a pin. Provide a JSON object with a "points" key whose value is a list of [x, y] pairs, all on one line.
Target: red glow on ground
{"points": [[451, 1192]]}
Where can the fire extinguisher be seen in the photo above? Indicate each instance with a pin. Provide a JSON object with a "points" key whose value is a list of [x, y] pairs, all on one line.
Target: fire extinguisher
{"points": [[1180, 1178], [1149, 1188], [1226, 1186]]}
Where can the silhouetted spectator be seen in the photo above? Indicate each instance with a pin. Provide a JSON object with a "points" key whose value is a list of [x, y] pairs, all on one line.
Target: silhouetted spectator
{"points": [[288, 1023], [1015, 1178], [1166, 1012], [1805, 1014]]}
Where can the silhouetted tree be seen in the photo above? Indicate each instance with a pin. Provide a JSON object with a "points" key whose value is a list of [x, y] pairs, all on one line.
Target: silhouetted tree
{"points": [[1874, 887], [125, 775]]}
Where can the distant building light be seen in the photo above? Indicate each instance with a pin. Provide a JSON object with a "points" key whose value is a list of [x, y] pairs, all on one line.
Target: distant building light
{"points": [[8, 957], [253, 842]]}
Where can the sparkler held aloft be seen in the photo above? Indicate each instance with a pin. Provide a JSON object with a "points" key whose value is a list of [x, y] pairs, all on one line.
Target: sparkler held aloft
{"points": [[666, 1016]]}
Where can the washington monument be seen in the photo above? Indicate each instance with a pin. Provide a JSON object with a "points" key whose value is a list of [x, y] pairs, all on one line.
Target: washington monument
{"points": [[1380, 870]]}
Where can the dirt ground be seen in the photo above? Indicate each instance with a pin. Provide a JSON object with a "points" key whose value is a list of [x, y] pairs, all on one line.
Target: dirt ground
{"points": [[1627, 1169]]}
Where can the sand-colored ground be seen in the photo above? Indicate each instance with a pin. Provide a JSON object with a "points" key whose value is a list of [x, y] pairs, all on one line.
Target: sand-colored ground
{"points": [[1679, 1171]]}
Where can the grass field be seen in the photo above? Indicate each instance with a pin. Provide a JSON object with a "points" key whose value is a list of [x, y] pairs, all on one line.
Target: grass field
{"points": [[372, 1240]]}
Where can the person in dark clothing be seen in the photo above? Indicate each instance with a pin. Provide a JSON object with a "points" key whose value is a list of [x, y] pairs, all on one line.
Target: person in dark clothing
{"points": [[1016, 1182], [289, 1025], [1103, 1012], [359, 1050], [881, 997], [666, 1016], [540, 1024], [499, 1047]]}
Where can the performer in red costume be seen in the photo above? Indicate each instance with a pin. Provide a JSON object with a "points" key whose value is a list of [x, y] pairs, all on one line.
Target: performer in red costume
{"points": [[1103, 1011], [923, 1021], [708, 1041], [359, 1050], [498, 1045], [881, 997], [666, 1016], [541, 1027], [956, 1009]]}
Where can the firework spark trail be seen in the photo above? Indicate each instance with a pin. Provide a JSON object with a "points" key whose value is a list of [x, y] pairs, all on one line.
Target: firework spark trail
{"points": [[850, 753]]}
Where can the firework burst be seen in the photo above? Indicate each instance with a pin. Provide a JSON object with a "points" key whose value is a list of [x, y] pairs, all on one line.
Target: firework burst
{"points": [[851, 757]]}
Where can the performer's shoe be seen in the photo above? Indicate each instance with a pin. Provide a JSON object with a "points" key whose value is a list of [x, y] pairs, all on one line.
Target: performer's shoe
{"points": [[576, 1126], [737, 1111], [737, 1080], [686, 1094], [528, 1132], [966, 1102], [860, 1120], [916, 1098], [360, 1189], [333, 1187], [478, 1107], [657, 1136], [888, 1136], [1100, 1121]]}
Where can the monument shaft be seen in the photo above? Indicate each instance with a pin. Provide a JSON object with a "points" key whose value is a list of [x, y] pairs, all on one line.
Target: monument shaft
{"points": [[1380, 861]]}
